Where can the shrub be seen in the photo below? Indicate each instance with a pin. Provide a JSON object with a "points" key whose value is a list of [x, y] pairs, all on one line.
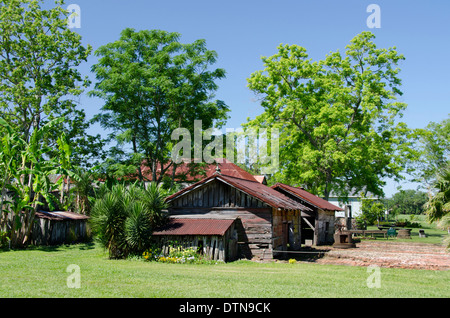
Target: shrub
{"points": [[124, 217]]}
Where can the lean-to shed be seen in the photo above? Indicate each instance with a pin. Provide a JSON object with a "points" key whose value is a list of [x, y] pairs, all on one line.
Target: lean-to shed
{"points": [[59, 227], [318, 223], [216, 239]]}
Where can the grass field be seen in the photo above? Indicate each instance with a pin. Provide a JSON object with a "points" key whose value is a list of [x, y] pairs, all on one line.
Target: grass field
{"points": [[434, 235], [41, 272]]}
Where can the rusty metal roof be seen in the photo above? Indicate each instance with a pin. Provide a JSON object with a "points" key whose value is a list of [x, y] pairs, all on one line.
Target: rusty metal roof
{"points": [[183, 226], [258, 190], [60, 215], [308, 197], [264, 193], [183, 169]]}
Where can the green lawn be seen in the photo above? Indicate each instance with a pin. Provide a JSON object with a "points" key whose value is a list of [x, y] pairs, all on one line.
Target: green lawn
{"points": [[41, 272]]}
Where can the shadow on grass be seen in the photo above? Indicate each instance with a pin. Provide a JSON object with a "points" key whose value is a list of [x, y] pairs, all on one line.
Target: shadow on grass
{"points": [[54, 248], [305, 254]]}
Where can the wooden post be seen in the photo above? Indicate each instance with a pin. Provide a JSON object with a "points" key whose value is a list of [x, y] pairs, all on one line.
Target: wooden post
{"points": [[316, 229]]}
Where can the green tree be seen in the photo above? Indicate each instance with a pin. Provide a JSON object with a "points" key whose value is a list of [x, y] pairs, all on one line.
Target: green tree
{"points": [[153, 84], [39, 80], [407, 202], [337, 117], [433, 147], [371, 211]]}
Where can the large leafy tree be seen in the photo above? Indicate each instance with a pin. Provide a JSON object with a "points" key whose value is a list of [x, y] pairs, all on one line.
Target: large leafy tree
{"points": [[152, 84], [337, 117], [41, 126], [433, 148], [39, 56], [39, 79], [407, 202]]}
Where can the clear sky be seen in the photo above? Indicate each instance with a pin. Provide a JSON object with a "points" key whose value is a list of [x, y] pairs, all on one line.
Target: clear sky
{"points": [[243, 31]]}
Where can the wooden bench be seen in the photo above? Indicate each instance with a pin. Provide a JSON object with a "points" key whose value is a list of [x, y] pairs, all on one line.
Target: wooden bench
{"points": [[364, 233]]}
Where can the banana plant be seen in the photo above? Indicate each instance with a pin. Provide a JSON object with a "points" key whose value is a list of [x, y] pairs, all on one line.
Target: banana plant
{"points": [[26, 170]]}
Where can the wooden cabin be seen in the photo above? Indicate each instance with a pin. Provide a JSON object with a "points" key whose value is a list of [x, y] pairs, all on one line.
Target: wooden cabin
{"points": [[267, 222]]}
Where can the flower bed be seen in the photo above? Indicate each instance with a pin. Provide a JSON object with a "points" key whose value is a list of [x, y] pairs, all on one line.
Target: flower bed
{"points": [[178, 255]]}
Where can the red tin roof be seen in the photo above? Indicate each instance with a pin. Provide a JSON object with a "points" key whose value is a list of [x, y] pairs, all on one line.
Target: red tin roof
{"points": [[258, 190], [308, 197], [181, 226], [183, 171]]}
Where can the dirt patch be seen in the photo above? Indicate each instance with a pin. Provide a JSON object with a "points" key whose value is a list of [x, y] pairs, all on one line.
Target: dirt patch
{"points": [[389, 254]]}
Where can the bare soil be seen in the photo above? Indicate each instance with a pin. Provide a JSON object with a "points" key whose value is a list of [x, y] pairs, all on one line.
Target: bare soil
{"points": [[388, 254]]}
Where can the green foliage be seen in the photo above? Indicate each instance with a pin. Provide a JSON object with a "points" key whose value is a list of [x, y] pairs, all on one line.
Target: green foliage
{"points": [[39, 56], [124, 216], [177, 254], [406, 202], [371, 211], [152, 84], [438, 205], [338, 117], [25, 179], [433, 147]]}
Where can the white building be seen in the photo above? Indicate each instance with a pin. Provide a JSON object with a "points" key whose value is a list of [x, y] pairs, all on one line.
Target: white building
{"points": [[352, 205]]}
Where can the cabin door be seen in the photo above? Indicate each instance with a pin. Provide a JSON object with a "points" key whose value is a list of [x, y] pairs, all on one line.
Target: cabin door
{"points": [[288, 235]]}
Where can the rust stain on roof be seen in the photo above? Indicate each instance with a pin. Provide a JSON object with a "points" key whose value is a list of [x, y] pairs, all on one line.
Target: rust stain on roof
{"points": [[265, 194], [308, 197], [60, 215], [182, 226], [183, 171], [258, 190]]}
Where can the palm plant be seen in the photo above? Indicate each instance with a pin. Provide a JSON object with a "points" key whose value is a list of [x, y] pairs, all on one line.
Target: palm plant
{"points": [[125, 216], [84, 190], [438, 205], [108, 221]]}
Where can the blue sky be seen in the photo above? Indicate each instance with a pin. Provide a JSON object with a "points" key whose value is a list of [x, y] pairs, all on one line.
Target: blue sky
{"points": [[243, 31]]}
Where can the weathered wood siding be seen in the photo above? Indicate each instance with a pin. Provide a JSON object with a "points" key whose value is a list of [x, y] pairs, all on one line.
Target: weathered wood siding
{"points": [[323, 221], [286, 230], [253, 227], [326, 226], [219, 200], [213, 247], [55, 232], [217, 194]]}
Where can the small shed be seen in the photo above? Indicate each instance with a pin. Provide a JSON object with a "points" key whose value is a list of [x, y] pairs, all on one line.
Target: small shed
{"points": [[214, 238], [319, 223], [59, 227]]}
